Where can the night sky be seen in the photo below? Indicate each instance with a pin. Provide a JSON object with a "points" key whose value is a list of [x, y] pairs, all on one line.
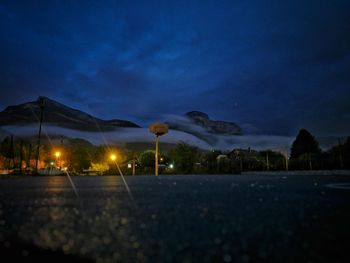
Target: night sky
{"points": [[270, 66]]}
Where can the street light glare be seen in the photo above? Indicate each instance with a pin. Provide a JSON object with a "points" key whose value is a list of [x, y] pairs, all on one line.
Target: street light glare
{"points": [[57, 154], [113, 157]]}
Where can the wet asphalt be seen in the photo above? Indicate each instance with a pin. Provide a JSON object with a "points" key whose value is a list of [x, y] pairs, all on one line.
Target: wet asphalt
{"points": [[183, 218]]}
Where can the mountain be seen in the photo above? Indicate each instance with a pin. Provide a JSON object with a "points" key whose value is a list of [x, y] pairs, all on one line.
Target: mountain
{"points": [[201, 126], [58, 114], [222, 127], [195, 128]]}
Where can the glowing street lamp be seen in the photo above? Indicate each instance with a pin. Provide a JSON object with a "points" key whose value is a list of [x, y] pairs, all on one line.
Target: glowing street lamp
{"points": [[113, 157], [158, 129], [57, 154]]}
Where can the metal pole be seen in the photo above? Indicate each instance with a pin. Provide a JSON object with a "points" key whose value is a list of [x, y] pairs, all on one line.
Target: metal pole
{"points": [[29, 155], [133, 165], [340, 154], [310, 163], [125, 183], [20, 156], [39, 135], [241, 164], [267, 161], [11, 154], [156, 157], [57, 162]]}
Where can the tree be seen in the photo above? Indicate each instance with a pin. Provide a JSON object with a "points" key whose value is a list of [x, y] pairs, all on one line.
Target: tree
{"points": [[79, 154], [147, 158], [80, 160], [184, 157], [304, 143], [339, 156], [209, 161], [272, 160], [5, 148], [100, 168], [101, 154], [6, 151]]}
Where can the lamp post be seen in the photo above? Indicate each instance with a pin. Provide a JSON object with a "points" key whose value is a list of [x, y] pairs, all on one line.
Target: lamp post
{"points": [[340, 154], [133, 165], [267, 161], [57, 154], [239, 157], [286, 158], [42, 106], [113, 157], [158, 129]]}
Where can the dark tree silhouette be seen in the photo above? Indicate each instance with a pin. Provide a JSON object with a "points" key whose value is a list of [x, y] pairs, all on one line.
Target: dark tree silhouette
{"points": [[184, 157], [147, 158], [304, 143]]}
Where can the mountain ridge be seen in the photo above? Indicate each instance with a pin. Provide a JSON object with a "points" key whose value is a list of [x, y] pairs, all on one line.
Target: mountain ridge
{"points": [[56, 113], [214, 126]]}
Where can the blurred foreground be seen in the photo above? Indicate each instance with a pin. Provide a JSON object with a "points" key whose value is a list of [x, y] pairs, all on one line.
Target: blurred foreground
{"points": [[198, 218]]}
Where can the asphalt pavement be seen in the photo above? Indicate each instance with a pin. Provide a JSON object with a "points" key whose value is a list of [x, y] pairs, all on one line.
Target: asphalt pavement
{"points": [[182, 218]]}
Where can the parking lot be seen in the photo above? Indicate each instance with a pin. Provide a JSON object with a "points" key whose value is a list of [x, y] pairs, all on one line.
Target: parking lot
{"points": [[182, 218]]}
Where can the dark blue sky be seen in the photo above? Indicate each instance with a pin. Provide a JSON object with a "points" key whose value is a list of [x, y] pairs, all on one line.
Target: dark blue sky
{"points": [[271, 66]]}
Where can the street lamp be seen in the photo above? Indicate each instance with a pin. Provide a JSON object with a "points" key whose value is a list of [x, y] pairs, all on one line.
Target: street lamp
{"points": [[239, 157], [57, 154], [113, 157], [42, 106], [158, 129]]}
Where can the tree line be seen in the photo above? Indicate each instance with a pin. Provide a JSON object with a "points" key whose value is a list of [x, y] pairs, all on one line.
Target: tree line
{"points": [[81, 157]]}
